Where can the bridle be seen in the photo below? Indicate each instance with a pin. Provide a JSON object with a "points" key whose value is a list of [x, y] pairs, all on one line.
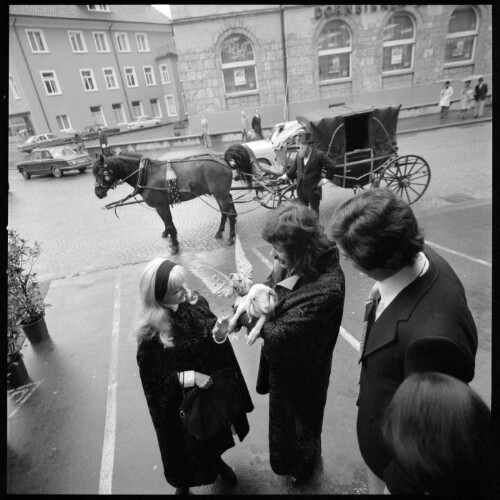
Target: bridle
{"points": [[117, 182]]}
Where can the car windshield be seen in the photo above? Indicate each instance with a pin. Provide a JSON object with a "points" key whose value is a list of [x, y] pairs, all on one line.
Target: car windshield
{"points": [[62, 152]]}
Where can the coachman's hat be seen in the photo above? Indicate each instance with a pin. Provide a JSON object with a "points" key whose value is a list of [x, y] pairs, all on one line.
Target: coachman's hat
{"points": [[306, 138]]}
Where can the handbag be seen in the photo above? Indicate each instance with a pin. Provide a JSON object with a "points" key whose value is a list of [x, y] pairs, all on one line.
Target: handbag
{"points": [[205, 412]]}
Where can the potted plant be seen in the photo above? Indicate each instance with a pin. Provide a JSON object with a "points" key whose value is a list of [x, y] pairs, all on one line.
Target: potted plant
{"points": [[17, 375], [25, 302]]}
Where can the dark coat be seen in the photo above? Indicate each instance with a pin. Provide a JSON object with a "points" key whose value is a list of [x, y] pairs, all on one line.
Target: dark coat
{"points": [[187, 462], [256, 125], [296, 360], [309, 176], [480, 92], [433, 305]]}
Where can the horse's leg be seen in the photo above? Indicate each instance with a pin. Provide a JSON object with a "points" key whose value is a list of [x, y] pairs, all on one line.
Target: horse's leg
{"points": [[222, 224], [228, 212], [170, 229], [232, 221]]}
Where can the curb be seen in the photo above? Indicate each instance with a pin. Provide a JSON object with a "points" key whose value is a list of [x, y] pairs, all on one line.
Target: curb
{"points": [[445, 125]]}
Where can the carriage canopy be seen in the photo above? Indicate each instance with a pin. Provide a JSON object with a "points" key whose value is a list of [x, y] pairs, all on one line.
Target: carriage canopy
{"points": [[353, 127]]}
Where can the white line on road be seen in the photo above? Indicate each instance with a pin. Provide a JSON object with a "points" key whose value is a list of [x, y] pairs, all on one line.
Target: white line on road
{"points": [[108, 448], [454, 252], [347, 336]]}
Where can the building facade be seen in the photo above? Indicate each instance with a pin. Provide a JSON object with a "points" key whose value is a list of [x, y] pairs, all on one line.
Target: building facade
{"points": [[286, 59], [71, 66]]}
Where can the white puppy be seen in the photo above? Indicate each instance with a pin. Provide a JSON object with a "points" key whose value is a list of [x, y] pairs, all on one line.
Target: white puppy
{"points": [[259, 303]]}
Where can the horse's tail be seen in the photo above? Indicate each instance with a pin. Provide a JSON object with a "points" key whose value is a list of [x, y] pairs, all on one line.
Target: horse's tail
{"points": [[239, 158]]}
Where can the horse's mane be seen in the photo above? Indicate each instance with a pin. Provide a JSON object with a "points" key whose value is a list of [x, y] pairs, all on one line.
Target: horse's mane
{"points": [[241, 157]]}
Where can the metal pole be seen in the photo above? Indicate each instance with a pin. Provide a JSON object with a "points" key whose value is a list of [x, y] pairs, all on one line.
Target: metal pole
{"points": [[286, 116]]}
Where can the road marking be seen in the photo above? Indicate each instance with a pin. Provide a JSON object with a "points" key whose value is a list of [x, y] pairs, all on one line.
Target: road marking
{"points": [[347, 336], [108, 448], [21, 394], [454, 252]]}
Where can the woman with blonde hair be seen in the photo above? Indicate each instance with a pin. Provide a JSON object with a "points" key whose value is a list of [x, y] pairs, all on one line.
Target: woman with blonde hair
{"points": [[180, 345]]}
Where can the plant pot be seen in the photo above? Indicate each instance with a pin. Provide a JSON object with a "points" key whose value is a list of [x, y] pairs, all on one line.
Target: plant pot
{"points": [[17, 375], [37, 331]]}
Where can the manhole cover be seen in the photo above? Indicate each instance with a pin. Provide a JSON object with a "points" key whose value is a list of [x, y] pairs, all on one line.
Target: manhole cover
{"points": [[457, 197]]}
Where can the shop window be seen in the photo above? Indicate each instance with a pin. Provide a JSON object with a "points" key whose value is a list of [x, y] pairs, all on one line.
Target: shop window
{"points": [[399, 40], [461, 36], [238, 64], [334, 51]]}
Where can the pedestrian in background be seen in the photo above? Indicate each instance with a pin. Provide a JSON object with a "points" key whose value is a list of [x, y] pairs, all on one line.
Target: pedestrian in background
{"points": [[179, 346], [444, 100], [207, 142], [466, 98], [245, 126], [439, 433], [480, 93], [296, 356], [308, 168], [416, 295], [256, 126]]}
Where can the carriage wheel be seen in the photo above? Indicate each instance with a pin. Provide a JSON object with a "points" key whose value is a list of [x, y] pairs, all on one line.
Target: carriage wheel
{"points": [[287, 194], [269, 199], [408, 176]]}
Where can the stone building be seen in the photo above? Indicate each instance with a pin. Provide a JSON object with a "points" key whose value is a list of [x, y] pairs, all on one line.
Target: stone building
{"points": [[71, 66], [235, 57]]}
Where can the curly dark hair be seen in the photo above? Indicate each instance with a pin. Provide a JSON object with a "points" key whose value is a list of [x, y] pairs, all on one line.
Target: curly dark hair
{"points": [[296, 228], [376, 228]]}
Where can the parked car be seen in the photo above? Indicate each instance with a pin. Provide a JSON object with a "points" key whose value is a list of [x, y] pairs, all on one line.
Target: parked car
{"points": [[54, 160], [42, 140], [281, 138], [142, 122], [92, 131]]}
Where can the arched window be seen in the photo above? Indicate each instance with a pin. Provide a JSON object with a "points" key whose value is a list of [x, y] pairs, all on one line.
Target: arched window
{"points": [[399, 40], [334, 51], [461, 37], [238, 64]]}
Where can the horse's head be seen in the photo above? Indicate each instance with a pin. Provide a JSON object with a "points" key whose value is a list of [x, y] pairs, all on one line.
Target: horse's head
{"points": [[239, 158], [104, 176]]}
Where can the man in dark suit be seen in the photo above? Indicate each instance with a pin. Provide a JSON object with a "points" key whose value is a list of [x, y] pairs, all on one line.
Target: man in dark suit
{"points": [[309, 166], [416, 295], [480, 93], [256, 126]]}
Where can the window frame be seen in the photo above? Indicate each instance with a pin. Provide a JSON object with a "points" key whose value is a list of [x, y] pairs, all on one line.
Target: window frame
{"points": [[100, 8], [168, 105], [106, 43], [82, 39], [334, 51], [92, 77], [123, 34], [233, 65], [59, 118], [160, 114], [402, 41], [146, 42], [144, 68], [122, 112], [462, 34], [55, 80], [165, 65], [112, 69], [134, 116], [102, 116], [45, 49], [13, 88], [134, 74]]}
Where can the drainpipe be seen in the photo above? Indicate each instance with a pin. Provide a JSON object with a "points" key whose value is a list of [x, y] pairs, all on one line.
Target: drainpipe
{"points": [[31, 76], [286, 111], [120, 72]]}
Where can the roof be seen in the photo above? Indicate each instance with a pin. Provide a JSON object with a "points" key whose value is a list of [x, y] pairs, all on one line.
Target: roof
{"points": [[117, 13], [344, 110]]}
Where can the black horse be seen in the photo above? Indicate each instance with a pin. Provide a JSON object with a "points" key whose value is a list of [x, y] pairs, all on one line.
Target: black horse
{"points": [[195, 176]]}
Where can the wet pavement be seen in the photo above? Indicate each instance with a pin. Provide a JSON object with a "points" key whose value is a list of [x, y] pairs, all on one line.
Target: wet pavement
{"points": [[80, 425]]}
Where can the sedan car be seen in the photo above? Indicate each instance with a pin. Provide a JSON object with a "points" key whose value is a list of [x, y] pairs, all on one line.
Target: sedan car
{"points": [[36, 141], [92, 131], [54, 160], [281, 138], [142, 122]]}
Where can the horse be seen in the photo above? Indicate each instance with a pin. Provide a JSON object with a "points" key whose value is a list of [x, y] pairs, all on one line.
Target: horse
{"points": [[196, 175]]}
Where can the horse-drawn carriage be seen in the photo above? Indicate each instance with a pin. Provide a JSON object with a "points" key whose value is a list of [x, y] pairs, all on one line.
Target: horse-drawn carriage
{"points": [[360, 139]]}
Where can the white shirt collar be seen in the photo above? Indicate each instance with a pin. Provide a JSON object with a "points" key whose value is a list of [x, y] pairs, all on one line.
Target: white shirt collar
{"points": [[391, 287], [289, 282]]}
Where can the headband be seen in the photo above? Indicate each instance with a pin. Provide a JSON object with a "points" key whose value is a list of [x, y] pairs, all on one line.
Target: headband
{"points": [[162, 276]]}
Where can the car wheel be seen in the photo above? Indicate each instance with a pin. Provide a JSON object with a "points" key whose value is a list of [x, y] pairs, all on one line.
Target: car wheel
{"points": [[25, 174], [82, 170], [56, 172]]}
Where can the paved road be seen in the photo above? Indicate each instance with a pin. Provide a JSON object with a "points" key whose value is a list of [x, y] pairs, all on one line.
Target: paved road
{"points": [[70, 433]]}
